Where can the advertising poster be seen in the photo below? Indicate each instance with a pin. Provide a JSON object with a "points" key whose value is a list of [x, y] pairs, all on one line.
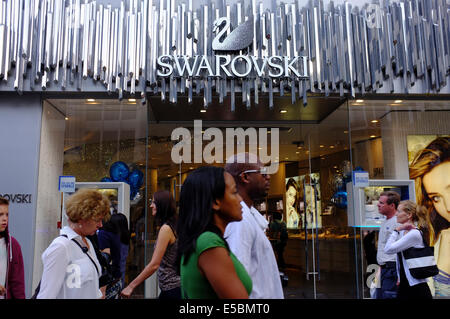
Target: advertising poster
{"points": [[302, 201], [429, 167]]}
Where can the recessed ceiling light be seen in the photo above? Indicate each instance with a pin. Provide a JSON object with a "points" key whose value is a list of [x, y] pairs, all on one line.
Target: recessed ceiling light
{"points": [[359, 101], [91, 100], [398, 101], [331, 146], [322, 146], [283, 111], [372, 136], [345, 132], [202, 111], [66, 118], [132, 100], [191, 167], [297, 152], [286, 158], [374, 121]]}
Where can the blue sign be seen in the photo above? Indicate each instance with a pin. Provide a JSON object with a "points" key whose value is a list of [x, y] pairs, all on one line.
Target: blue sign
{"points": [[360, 179], [66, 184]]}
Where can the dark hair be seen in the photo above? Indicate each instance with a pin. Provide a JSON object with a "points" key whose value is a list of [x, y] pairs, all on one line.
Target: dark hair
{"points": [[392, 198], [197, 195], [118, 224], [166, 211], [292, 183], [4, 201]]}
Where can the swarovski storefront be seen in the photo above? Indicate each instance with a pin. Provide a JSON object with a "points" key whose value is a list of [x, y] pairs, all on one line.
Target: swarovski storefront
{"points": [[319, 90]]}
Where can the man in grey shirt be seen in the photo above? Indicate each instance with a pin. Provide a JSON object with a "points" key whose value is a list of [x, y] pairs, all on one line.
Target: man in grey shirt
{"points": [[387, 206]]}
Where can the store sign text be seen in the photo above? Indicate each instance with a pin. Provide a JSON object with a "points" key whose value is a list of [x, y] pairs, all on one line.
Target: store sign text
{"points": [[240, 66], [17, 198]]}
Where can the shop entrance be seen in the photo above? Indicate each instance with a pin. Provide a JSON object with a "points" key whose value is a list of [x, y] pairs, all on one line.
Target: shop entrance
{"points": [[317, 260]]}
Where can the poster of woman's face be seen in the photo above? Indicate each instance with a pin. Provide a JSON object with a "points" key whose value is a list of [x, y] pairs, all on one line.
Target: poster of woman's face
{"points": [[297, 193], [429, 167], [292, 203]]}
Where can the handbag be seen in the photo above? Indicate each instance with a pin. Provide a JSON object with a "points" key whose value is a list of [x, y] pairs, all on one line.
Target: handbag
{"points": [[420, 261]]}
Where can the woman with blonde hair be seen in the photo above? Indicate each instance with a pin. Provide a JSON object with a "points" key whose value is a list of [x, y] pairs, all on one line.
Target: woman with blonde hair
{"points": [[413, 220], [430, 170], [71, 268]]}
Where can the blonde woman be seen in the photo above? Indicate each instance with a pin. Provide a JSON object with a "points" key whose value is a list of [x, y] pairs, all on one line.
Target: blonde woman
{"points": [[71, 268], [412, 219], [430, 170]]}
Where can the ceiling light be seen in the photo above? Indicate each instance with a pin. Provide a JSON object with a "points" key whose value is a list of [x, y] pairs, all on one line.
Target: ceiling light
{"points": [[398, 101], [359, 101], [372, 136], [374, 121], [132, 100], [91, 100], [322, 146], [202, 111], [286, 158], [191, 167], [345, 132], [332, 146], [66, 118], [283, 111], [297, 152]]}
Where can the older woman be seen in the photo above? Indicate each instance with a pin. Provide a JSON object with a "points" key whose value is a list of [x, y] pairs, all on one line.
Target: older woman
{"points": [[431, 170], [71, 268]]}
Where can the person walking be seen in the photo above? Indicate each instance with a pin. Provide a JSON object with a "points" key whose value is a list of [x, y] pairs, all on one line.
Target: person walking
{"points": [[71, 268], [387, 206], [165, 253], [209, 201], [12, 281], [405, 236], [247, 238]]}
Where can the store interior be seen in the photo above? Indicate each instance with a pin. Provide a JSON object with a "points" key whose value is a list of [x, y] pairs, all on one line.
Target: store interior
{"points": [[320, 144]]}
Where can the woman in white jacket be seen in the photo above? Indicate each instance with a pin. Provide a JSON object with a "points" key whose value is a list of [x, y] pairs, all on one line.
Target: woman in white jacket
{"points": [[405, 236]]}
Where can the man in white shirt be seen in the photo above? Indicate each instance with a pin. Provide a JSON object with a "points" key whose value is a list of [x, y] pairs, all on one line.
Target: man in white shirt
{"points": [[387, 206], [247, 238]]}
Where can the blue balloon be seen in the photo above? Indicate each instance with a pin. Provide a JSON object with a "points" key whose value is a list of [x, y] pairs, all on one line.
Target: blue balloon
{"points": [[106, 180], [136, 178], [339, 199], [119, 171]]}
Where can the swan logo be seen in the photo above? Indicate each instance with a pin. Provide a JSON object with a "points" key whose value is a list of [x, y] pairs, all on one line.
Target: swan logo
{"points": [[239, 39], [232, 65]]}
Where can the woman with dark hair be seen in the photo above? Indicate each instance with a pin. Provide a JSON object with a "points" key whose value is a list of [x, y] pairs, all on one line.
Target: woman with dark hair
{"points": [[430, 170], [208, 202], [165, 253], [292, 193]]}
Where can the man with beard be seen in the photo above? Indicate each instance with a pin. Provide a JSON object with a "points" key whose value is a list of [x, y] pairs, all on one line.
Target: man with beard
{"points": [[247, 238]]}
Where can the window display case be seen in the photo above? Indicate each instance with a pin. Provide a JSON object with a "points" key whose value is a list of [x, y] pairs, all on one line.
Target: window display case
{"points": [[363, 201], [117, 192]]}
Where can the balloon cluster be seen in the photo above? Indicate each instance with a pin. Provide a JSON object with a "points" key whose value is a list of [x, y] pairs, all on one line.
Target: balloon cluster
{"points": [[120, 172], [339, 182]]}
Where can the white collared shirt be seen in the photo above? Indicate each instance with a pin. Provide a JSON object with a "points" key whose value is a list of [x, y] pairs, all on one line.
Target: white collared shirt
{"points": [[68, 272], [251, 246], [386, 230], [399, 242]]}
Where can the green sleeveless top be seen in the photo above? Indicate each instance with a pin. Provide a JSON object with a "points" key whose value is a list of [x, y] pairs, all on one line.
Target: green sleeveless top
{"points": [[193, 284]]}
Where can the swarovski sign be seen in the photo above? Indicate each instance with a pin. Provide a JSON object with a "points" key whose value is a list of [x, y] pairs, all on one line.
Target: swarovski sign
{"points": [[239, 66]]}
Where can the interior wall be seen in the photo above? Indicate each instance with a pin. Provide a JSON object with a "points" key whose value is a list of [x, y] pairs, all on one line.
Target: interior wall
{"points": [[396, 126], [51, 159], [20, 130]]}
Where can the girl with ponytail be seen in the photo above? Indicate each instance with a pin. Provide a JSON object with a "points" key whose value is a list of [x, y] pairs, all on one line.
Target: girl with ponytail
{"points": [[413, 220]]}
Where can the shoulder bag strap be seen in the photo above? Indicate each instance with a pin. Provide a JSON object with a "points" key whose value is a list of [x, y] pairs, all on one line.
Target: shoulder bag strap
{"points": [[84, 250]]}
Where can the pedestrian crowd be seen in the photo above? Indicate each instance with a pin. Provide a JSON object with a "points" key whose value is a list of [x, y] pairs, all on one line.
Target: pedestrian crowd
{"points": [[215, 246]]}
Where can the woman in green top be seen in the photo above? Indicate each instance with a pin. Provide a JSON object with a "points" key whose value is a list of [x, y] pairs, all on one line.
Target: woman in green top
{"points": [[208, 202]]}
